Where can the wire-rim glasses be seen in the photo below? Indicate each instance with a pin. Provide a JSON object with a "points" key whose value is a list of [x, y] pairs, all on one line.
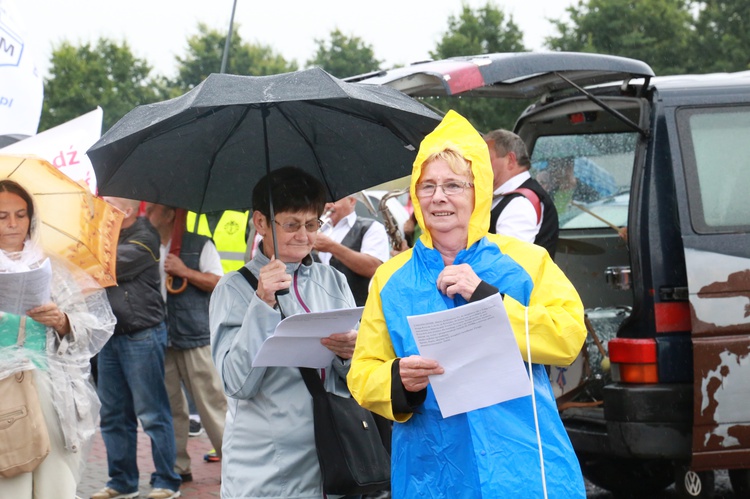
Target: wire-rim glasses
{"points": [[292, 227], [427, 189]]}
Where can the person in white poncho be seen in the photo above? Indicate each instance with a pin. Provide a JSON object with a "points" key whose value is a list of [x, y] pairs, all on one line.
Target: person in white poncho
{"points": [[61, 338]]}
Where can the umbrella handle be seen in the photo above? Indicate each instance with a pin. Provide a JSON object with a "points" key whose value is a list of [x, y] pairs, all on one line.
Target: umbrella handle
{"points": [[171, 289]]}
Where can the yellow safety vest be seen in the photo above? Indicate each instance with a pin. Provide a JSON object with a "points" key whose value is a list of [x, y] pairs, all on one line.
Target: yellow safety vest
{"points": [[229, 236]]}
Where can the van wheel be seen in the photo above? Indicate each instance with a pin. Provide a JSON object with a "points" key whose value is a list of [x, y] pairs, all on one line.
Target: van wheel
{"points": [[740, 480], [627, 478], [693, 484]]}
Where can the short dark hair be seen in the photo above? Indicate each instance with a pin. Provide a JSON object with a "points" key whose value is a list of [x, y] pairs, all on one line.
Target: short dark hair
{"points": [[15, 188], [293, 190], [505, 142]]}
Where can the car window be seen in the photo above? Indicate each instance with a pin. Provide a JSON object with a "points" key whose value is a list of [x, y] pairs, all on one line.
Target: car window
{"points": [[588, 177], [716, 153]]}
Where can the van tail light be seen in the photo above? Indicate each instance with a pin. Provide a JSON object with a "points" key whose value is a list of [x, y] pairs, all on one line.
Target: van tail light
{"points": [[633, 360]]}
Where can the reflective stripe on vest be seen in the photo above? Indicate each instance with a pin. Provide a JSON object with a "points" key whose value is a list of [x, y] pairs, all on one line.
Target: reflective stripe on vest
{"points": [[229, 236]]}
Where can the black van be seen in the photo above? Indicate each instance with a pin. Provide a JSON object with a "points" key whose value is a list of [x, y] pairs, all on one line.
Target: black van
{"points": [[651, 177]]}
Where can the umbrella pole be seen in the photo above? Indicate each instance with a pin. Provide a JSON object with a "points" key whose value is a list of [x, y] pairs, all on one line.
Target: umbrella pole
{"points": [[265, 112]]}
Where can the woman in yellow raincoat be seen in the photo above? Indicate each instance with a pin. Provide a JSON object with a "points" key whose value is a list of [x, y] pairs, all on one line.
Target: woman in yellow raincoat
{"points": [[494, 451]]}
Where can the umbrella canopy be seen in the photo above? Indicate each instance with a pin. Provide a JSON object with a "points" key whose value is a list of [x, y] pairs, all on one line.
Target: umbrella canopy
{"points": [[206, 150], [74, 224]]}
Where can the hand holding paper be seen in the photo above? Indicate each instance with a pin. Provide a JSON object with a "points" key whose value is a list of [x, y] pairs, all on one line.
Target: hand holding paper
{"points": [[297, 339], [475, 345]]}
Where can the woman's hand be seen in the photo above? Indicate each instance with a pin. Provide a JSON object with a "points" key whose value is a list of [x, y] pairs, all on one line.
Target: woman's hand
{"points": [[51, 316], [342, 344], [458, 279], [272, 278], [414, 371]]}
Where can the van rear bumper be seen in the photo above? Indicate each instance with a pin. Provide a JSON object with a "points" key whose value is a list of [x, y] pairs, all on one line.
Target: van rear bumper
{"points": [[637, 421]]}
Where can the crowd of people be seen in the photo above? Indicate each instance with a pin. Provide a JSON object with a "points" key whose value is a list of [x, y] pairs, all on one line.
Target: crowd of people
{"points": [[477, 212]]}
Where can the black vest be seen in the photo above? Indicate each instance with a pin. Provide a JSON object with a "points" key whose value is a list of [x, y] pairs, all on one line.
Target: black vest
{"points": [[550, 229], [353, 240], [187, 312]]}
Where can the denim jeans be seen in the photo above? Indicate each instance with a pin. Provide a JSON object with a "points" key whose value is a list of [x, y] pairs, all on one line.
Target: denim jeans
{"points": [[130, 385]]}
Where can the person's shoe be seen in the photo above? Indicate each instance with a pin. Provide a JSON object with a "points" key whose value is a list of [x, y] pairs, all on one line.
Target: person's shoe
{"points": [[195, 428], [186, 477], [110, 493], [212, 456], [163, 494]]}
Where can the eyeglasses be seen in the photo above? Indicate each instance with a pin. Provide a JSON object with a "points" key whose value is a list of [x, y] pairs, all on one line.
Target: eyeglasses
{"points": [[428, 189], [292, 227]]}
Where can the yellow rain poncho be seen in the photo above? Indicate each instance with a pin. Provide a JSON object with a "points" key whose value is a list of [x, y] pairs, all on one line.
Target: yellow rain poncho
{"points": [[491, 452]]}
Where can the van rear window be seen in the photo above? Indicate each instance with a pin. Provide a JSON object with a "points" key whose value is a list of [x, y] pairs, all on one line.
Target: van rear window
{"points": [[591, 171], [716, 153]]}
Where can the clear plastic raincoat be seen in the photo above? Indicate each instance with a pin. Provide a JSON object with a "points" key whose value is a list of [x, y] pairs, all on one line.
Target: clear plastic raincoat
{"points": [[491, 452], [61, 364]]}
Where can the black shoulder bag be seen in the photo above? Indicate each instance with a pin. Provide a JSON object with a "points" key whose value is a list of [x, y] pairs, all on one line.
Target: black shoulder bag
{"points": [[352, 456]]}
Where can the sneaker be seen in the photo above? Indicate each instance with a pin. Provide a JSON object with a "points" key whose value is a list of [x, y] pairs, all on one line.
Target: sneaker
{"points": [[212, 456], [109, 493], [163, 494], [195, 428]]}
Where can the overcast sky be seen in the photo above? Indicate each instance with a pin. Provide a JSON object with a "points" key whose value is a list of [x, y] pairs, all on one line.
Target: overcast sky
{"points": [[400, 31]]}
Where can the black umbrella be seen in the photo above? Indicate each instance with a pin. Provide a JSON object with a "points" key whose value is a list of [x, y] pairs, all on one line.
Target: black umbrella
{"points": [[206, 150]]}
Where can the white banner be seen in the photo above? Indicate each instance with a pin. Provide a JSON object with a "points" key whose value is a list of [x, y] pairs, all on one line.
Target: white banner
{"points": [[21, 84], [65, 146]]}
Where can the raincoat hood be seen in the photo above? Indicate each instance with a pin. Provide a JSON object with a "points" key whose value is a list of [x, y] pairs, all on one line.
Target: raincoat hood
{"points": [[456, 133]]}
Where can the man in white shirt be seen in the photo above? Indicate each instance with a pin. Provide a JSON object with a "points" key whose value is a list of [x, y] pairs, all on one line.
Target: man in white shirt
{"points": [[520, 206], [356, 246], [188, 359]]}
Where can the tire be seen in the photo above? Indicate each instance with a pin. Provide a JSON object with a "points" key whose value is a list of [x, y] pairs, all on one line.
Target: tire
{"points": [[693, 484], [628, 478], [740, 480]]}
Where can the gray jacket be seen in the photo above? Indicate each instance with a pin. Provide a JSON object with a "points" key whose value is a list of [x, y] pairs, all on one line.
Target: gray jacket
{"points": [[269, 447]]}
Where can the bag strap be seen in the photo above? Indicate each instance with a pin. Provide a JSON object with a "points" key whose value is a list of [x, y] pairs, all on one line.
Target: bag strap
{"points": [[532, 197], [21, 332], [313, 382], [249, 277], [310, 376]]}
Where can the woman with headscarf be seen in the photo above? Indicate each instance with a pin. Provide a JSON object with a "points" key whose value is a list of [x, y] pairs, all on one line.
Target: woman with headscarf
{"points": [[61, 337], [493, 451]]}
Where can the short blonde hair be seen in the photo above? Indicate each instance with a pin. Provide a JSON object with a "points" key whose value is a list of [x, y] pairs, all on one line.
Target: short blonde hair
{"points": [[456, 162]]}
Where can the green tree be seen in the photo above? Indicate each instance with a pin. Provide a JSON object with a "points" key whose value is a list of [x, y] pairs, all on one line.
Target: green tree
{"points": [[722, 36], [481, 31], [658, 32], [205, 51], [344, 56], [107, 75]]}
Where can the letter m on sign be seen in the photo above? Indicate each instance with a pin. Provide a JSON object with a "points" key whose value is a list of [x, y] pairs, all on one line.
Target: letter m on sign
{"points": [[11, 47]]}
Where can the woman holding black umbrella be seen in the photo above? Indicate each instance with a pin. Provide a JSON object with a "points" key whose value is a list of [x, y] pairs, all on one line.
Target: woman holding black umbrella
{"points": [[269, 446]]}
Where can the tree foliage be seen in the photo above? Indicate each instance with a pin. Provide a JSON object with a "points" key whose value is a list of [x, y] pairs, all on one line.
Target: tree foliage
{"points": [[722, 36], [206, 49], [659, 32], [344, 56], [107, 75], [481, 31]]}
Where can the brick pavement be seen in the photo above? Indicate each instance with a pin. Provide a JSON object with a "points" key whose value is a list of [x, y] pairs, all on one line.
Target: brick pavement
{"points": [[206, 476]]}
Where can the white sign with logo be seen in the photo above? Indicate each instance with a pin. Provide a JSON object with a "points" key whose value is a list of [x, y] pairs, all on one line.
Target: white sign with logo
{"points": [[65, 146], [21, 84]]}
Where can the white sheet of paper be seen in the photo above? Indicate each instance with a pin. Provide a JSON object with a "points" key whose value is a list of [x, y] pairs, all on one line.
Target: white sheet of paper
{"points": [[296, 340], [475, 345], [22, 291]]}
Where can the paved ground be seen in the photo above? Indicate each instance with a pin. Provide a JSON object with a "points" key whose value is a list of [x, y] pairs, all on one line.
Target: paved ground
{"points": [[206, 476]]}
